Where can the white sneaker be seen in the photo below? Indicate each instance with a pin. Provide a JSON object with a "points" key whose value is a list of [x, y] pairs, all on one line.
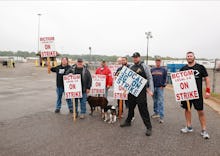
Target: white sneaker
{"points": [[204, 134], [186, 130], [133, 118], [155, 116], [161, 121]]}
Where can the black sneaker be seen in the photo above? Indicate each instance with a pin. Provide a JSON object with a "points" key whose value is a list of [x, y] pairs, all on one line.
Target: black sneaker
{"points": [[57, 111], [148, 132], [71, 111], [125, 124]]}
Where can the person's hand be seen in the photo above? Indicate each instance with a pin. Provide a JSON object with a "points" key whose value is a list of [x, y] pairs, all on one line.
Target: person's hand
{"points": [[207, 95], [161, 87], [150, 92], [108, 87], [87, 91]]}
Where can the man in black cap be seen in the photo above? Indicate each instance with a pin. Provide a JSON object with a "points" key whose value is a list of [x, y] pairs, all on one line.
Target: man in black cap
{"points": [[141, 100], [86, 81]]}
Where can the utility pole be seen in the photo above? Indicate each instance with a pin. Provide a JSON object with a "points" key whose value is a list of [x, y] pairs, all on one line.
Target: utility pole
{"points": [[148, 36]]}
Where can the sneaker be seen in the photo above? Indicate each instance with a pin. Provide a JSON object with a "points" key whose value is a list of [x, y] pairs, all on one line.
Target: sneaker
{"points": [[82, 116], [161, 121], [133, 118], [148, 132], [204, 134], [57, 111], [186, 129], [155, 116], [125, 124]]}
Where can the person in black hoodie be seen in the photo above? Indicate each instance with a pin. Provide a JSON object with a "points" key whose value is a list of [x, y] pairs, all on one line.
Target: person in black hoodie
{"points": [[60, 71], [86, 81]]}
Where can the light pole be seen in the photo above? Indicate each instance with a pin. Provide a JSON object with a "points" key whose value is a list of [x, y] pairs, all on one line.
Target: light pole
{"points": [[90, 52], [148, 36], [38, 38]]}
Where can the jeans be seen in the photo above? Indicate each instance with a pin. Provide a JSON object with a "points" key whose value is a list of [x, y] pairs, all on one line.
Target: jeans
{"points": [[60, 92], [82, 103], [106, 92], [158, 98]]}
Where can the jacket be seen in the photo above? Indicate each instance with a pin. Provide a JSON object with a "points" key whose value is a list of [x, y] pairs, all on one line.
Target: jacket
{"points": [[86, 77], [147, 74], [107, 72]]}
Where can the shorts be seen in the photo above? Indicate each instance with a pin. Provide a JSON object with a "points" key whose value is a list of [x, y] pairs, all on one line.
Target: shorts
{"points": [[197, 103]]}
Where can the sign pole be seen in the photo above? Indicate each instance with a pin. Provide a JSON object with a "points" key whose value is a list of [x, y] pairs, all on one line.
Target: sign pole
{"points": [[48, 65], [120, 108], [74, 110], [188, 105]]}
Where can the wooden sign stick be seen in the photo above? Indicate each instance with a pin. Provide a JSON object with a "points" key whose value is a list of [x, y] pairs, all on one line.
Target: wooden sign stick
{"points": [[188, 105], [74, 110]]}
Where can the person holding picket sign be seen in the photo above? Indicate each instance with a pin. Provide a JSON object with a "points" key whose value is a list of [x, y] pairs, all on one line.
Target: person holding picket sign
{"points": [[60, 71], [124, 62], [104, 70], [141, 100], [200, 72], [86, 81]]}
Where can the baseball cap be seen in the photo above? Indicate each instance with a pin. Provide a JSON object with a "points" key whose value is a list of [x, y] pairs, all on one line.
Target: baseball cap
{"points": [[79, 60], [136, 54], [157, 58]]}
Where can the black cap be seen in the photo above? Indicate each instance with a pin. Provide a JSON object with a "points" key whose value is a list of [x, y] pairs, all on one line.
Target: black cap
{"points": [[79, 60], [136, 54]]}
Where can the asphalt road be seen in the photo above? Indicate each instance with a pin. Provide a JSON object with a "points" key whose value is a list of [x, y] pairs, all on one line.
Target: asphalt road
{"points": [[28, 125]]}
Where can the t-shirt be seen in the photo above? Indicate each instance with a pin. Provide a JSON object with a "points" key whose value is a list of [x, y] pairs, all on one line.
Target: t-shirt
{"points": [[60, 71], [200, 72]]}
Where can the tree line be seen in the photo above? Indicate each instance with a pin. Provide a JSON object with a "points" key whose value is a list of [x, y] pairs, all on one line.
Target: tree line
{"points": [[95, 57]]}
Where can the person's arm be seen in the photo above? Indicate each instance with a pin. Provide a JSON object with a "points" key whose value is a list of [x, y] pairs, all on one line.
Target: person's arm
{"points": [[150, 89], [96, 72], [54, 69], [207, 83], [165, 78], [109, 79], [89, 82]]}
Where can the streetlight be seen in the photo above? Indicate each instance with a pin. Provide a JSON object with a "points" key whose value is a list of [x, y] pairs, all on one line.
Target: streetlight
{"points": [[38, 38], [90, 52], [148, 35]]}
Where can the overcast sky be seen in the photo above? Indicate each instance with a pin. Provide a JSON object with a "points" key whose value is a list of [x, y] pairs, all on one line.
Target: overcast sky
{"points": [[114, 28]]}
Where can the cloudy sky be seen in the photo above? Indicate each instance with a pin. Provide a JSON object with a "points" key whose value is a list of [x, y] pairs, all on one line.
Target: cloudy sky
{"points": [[114, 27]]}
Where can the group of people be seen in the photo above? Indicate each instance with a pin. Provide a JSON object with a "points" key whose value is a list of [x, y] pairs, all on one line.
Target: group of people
{"points": [[156, 81]]}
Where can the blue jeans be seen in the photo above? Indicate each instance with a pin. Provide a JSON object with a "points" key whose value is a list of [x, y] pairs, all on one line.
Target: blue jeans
{"points": [[60, 92], [106, 92], [82, 103], [158, 98]]}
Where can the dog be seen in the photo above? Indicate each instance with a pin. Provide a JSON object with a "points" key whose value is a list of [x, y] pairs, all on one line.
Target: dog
{"points": [[94, 102], [110, 114]]}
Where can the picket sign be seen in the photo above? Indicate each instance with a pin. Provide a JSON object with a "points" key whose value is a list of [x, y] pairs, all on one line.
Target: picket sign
{"points": [[130, 81], [98, 84], [72, 89], [113, 68], [47, 47], [119, 93], [185, 87]]}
